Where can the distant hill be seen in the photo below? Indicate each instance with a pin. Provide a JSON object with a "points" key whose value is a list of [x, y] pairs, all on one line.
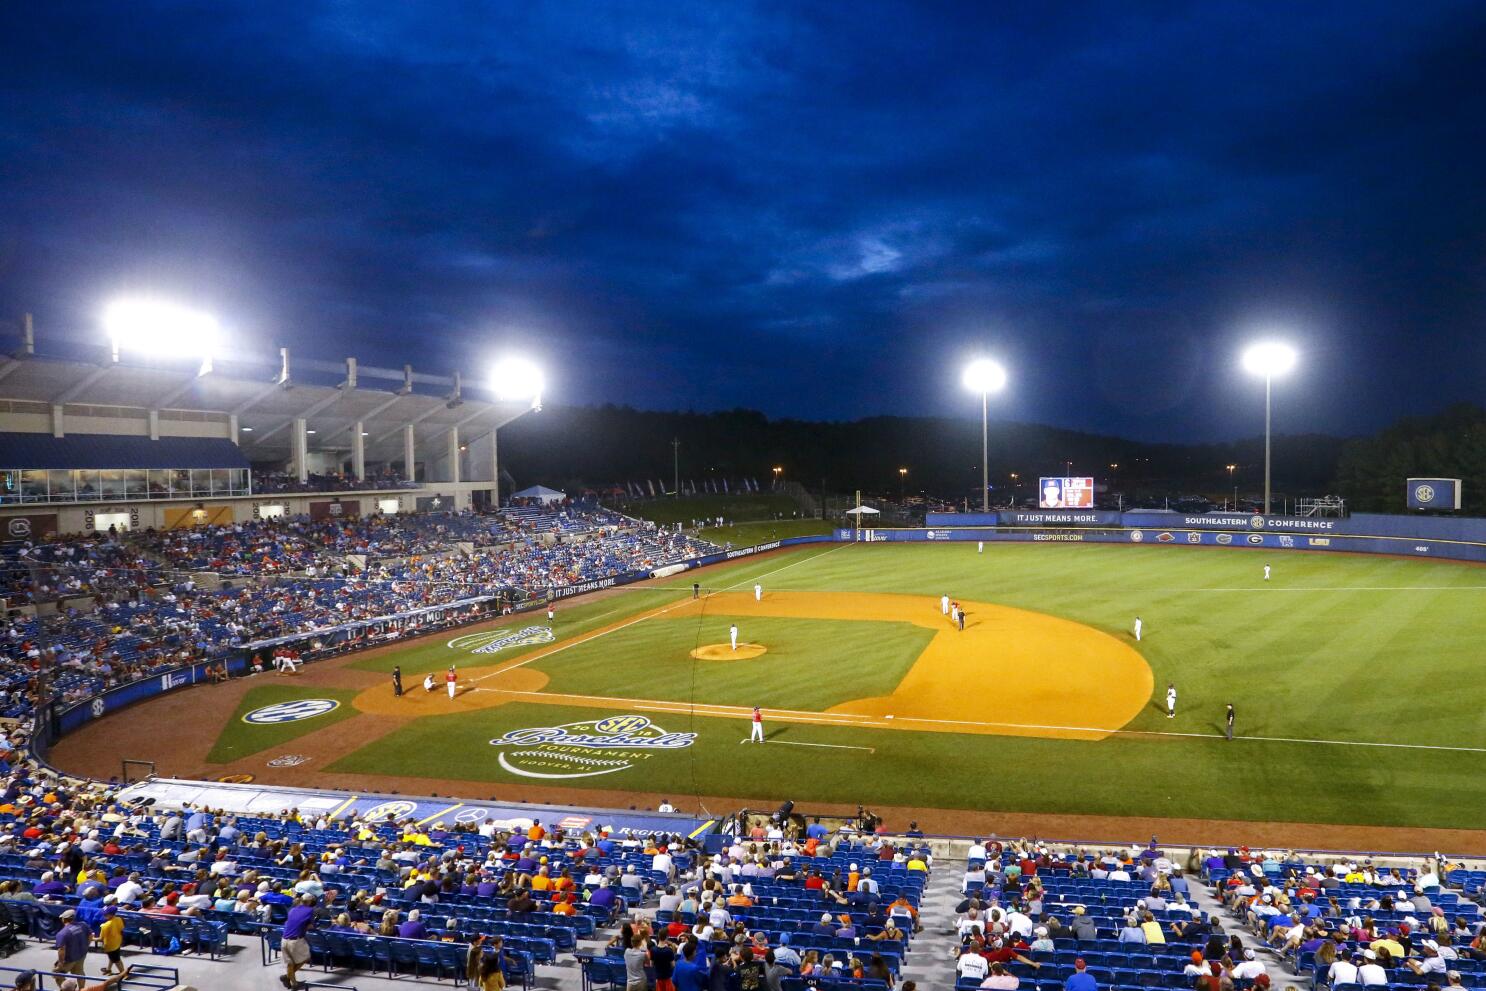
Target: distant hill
{"points": [[577, 446]]}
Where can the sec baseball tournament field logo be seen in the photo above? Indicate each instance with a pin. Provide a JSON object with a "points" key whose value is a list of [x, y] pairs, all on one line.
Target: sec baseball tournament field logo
{"points": [[586, 749], [493, 640], [290, 712]]}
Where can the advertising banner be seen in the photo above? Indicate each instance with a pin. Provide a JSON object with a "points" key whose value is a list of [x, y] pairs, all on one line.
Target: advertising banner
{"points": [[28, 526]]}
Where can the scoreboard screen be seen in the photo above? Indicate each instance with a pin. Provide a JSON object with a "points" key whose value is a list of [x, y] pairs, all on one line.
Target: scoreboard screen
{"points": [[1065, 493]]}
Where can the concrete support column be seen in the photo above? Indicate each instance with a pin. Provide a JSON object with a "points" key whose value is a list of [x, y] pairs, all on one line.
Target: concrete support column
{"points": [[409, 454], [494, 469], [232, 428], [358, 451], [454, 455], [301, 449], [58, 421], [154, 424]]}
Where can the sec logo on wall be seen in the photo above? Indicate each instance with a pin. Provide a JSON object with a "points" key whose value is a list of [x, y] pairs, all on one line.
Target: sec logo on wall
{"points": [[290, 712], [1424, 493]]}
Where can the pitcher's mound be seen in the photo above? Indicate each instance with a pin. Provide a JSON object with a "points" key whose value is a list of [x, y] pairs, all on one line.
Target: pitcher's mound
{"points": [[724, 652]]}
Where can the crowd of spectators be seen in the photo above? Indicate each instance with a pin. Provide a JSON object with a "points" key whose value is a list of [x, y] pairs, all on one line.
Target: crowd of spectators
{"points": [[148, 614], [273, 482]]}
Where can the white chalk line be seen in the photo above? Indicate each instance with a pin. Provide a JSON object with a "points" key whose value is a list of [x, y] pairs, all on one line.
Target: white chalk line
{"points": [[640, 619], [802, 743]]}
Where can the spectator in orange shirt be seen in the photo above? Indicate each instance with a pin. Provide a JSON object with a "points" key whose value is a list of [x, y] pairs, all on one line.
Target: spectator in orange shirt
{"points": [[536, 833]]}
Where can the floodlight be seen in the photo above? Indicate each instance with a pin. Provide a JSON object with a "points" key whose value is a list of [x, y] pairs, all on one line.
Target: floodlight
{"points": [[984, 376], [516, 379], [1269, 358], [161, 329]]}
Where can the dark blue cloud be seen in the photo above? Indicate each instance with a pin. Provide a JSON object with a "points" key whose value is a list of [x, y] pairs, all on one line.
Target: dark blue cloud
{"points": [[816, 209]]}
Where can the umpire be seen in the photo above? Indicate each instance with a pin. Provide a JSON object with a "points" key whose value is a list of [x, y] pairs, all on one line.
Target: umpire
{"points": [[397, 681]]}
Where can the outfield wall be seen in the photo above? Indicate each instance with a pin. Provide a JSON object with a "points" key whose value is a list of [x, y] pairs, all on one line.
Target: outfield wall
{"points": [[1460, 539]]}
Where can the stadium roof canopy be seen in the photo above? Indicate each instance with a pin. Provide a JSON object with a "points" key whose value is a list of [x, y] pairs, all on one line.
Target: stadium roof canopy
{"points": [[264, 396]]}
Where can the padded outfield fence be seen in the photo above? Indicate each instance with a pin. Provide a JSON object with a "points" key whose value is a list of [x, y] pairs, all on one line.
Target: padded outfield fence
{"points": [[1449, 538]]}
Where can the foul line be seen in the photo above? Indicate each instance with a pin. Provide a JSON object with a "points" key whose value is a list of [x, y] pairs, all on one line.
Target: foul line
{"points": [[802, 743], [539, 655]]}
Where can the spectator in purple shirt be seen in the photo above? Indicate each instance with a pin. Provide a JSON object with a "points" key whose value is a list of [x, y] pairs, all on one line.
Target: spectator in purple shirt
{"points": [[295, 947], [414, 928], [49, 886], [72, 944]]}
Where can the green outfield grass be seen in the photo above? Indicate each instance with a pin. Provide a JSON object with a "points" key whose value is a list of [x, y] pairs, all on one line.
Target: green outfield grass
{"points": [[1335, 651], [239, 739], [749, 534]]}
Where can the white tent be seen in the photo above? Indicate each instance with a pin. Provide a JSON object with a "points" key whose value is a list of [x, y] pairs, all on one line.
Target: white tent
{"points": [[541, 493], [861, 511]]}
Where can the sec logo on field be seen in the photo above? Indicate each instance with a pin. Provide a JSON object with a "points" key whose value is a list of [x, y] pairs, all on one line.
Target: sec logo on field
{"points": [[290, 712], [615, 725]]}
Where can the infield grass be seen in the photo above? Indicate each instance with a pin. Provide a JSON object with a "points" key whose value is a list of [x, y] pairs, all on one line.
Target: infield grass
{"points": [[240, 739]]}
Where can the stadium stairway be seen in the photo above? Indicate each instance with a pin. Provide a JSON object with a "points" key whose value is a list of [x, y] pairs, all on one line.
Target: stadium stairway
{"points": [[932, 960]]}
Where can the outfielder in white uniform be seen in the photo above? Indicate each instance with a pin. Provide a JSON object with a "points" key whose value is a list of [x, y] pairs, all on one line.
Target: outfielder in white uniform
{"points": [[1137, 629], [980, 547], [1266, 572], [758, 592], [1170, 701], [733, 635], [944, 604]]}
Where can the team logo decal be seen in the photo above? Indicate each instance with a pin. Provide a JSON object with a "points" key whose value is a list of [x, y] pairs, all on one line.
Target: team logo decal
{"points": [[97, 707], [1257, 522], [390, 810], [1165, 537], [1193, 537], [586, 749], [1136, 536], [290, 712], [1424, 493], [493, 640], [1256, 539], [21, 527], [236, 779], [1224, 538], [288, 760]]}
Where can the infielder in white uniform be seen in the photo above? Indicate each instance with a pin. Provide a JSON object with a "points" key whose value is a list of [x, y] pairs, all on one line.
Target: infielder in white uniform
{"points": [[1266, 572], [1137, 629], [733, 635], [944, 604], [756, 735], [1170, 701], [758, 592]]}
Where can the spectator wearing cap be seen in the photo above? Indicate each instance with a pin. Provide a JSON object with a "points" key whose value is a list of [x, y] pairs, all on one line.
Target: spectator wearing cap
{"points": [[72, 944], [1080, 979], [1371, 973], [295, 947]]}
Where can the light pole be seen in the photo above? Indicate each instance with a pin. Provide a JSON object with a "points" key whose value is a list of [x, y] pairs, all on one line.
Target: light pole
{"points": [[1231, 470], [1269, 358], [902, 484], [985, 377], [777, 472], [513, 380]]}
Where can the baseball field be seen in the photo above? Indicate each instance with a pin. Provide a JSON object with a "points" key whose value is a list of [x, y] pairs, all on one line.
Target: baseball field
{"points": [[1356, 680]]}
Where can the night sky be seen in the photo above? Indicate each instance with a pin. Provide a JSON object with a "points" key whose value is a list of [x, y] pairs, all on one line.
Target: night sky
{"points": [[814, 209]]}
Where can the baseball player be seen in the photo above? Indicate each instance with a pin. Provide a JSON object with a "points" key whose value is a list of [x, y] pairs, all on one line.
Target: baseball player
{"points": [[397, 681], [696, 590], [1266, 572], [1228, 721], [954, 612], [1137, 629], [756, 735], [452, 680], [960, 617], [733, 635], [980, 547], [758, 592], [1170, 701], [551, 614], [944, 604], [428, 682]]}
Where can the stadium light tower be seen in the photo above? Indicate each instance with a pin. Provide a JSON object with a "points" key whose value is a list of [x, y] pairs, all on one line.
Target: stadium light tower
{"points": [[513, 380], [985, 377], [160, 329], [1268, 358]]}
